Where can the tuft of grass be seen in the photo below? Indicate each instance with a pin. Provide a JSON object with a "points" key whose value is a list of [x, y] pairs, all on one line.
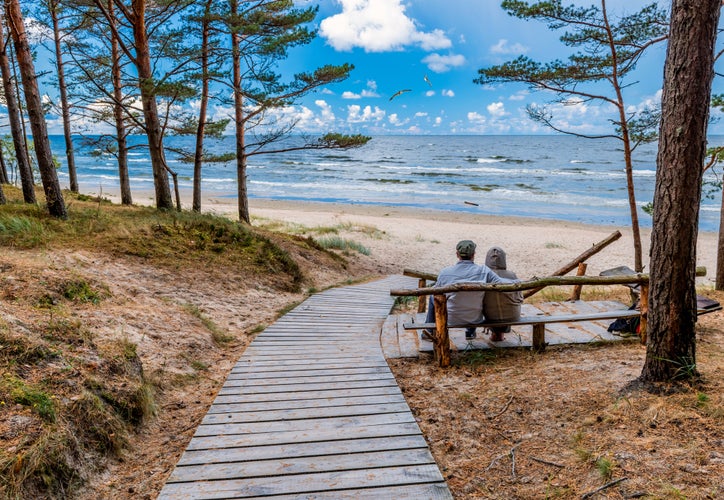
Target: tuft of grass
{"points": [[21, 231], [343, 244], [80, 291], [69, 331], [100, 425], [48, 465], [477, 358], [554, 245], [218, 334], [604, 466], [32, 396]]}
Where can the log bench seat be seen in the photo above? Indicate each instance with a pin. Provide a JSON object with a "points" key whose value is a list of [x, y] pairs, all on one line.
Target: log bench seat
{"points": [[538, 322]]}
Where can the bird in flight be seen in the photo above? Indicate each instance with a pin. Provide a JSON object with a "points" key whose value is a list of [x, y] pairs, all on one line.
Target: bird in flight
{"points": [[400, 92], [427, 80]]}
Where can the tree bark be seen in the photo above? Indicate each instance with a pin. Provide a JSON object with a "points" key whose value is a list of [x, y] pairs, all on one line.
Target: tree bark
{"points": [[4, 179], [199, 152], [51, 186], [125, 182], [65, 108], [688, 73], [241, 157], [150, 109], [21, 153]]}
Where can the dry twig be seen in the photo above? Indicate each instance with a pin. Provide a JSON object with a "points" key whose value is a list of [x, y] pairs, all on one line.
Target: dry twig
{"points": [[546, 462], [607, 485], [505, 408]]}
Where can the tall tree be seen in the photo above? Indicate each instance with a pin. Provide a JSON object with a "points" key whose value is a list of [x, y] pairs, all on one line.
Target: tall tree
{"points": [[54, 8], [607, 52], [51, 186], [688, 74], [25, 171], [262, 32]]}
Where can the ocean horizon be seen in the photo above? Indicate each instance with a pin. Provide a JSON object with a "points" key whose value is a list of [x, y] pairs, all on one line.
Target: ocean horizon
{"points": [[544, 176]]}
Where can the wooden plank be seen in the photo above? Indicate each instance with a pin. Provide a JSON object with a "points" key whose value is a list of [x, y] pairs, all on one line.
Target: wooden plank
{"points": [[408, 341], [309, 378], [307, 387], [431, 491], [303, 436], [302, 465], [300, 395], [389, 339], [320, 372], [304, 403], [311, 424], [304, 483], [304, 413], [292, 450]]}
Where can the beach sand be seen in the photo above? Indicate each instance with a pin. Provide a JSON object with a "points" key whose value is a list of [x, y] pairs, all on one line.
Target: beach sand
{"points": [[410, 238]]}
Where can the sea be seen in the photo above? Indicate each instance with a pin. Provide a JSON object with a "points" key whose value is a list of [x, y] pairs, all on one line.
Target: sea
{"points": [[549, 177]]}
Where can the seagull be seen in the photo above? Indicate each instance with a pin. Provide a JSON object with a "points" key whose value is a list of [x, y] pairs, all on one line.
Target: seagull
{"points": [[427, 80], [399, 92]]}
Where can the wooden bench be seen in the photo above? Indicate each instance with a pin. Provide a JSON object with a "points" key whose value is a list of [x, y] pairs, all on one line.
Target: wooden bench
{"points": [[539, 323]]}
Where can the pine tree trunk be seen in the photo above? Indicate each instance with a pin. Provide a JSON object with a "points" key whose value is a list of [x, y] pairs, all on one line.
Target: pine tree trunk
{"points": [[4, 179], [124, 180], [150, 110], [688, 73], [241, 157], [51, 186], [65, 108], [21, 153], [199, 152], [719, 283]]}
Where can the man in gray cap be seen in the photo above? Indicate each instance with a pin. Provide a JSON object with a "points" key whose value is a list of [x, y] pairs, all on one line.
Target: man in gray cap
{"points": [[464, 307]]}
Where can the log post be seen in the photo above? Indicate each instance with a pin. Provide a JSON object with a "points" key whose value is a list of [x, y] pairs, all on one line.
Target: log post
{"points": [[576, 293], [441, 344], [644, 308], [422, 299], [539, 337], [581, 258]]}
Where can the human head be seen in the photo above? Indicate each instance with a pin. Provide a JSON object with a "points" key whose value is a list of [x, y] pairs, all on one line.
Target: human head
{"points": [[495, 258], [465, 250]]}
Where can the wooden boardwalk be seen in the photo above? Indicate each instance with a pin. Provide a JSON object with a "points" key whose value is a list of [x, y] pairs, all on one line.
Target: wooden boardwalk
{"points": [[311, 410]]}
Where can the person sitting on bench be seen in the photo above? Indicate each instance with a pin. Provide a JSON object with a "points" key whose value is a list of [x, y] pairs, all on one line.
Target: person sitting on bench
{"points": [[464, 307], [501, 306]]}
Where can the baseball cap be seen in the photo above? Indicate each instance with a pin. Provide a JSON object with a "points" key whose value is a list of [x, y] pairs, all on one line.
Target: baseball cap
{"points": [[465, 248]]}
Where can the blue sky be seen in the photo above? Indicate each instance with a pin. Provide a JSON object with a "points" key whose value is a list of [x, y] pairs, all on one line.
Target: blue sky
{"points": [[435, 48], [395, 44]]}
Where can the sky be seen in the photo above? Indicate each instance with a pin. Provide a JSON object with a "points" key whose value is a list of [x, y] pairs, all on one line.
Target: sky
{"points": [[433, 49]]}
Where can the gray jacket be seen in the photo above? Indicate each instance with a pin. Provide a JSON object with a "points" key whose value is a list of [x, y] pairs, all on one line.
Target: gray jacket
{"points": [[503, 306]]}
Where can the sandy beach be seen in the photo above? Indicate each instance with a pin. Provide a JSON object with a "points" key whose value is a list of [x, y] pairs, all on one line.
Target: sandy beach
{"points": [[401, 237]]}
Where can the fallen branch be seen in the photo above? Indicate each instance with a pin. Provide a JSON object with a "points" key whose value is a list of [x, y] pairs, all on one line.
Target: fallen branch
{"points": [[546, 462], [512, 459], [505, 408], [605, 486]]}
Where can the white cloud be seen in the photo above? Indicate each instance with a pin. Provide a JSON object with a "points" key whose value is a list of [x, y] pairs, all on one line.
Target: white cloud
{"points": [[420, 114], [377, 26], [370, 91], [356, 114], [438, 120], [475, 117], [441, 64], [326, 113], [430, 93], [325, 90], [394, 119], [448, 93], [519, 96], [502, 47], [496, 109]]}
